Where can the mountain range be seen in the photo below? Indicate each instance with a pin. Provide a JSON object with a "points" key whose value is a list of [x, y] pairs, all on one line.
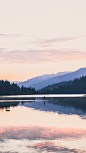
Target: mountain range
{"points": [[45, 80]]}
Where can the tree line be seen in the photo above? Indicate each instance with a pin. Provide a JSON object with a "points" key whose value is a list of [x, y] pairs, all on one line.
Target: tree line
{"points": [[6, 88], [77, 86]]}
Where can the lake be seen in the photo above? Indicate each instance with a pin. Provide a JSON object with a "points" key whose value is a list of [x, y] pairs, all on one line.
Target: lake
{"points": [[38, 124]]}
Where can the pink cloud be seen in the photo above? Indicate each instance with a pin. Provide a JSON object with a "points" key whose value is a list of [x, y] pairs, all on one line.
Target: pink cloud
{"points": [[40, 56], [51, 42]]}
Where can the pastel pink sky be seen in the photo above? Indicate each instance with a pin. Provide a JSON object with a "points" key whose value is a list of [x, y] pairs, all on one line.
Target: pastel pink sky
{"points": [[41, 37]]}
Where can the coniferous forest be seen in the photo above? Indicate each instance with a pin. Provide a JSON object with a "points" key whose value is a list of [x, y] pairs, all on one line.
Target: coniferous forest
{"points": [[13, 89], [77, 86]]}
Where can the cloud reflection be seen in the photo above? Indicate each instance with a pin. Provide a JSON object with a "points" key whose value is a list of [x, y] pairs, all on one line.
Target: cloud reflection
{"points": [[40, 139], [52, 147], [36, 132]]}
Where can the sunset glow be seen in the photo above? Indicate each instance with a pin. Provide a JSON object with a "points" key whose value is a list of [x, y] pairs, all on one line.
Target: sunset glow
{"points": [[41, 37]]}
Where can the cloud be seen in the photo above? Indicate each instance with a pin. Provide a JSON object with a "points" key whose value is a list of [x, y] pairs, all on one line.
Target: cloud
{"points": [[2, 49], [51, 42], [40, 56], [11, 35]]}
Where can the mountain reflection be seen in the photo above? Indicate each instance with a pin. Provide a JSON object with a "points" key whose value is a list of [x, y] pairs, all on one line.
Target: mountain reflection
{"points": [[59, 105]]}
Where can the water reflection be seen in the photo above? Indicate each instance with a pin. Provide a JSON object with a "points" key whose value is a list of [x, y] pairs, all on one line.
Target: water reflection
{"points": [[40, 132], [49, 104], [43, 125], [43, 139], [53, 147], [6, 105], [61, 105]]}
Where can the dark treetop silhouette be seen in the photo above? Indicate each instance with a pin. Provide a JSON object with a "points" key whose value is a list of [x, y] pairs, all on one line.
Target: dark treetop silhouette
{"points": [[77, 86]]}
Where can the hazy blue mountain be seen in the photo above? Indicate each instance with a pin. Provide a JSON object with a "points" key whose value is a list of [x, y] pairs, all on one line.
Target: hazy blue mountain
{"points": [[45, 80], [33, 82], [62, 78]]}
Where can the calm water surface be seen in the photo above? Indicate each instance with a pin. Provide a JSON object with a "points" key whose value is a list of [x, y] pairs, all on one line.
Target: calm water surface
{"points": [[42, 125]]}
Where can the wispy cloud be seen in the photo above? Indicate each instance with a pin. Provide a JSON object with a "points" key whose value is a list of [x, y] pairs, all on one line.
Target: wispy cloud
{"points": [[2, 49], [11, 35], [51, 42], [39, 57]]}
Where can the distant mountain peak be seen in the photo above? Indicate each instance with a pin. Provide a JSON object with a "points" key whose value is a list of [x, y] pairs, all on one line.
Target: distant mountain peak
{"points": [[49, 79]]}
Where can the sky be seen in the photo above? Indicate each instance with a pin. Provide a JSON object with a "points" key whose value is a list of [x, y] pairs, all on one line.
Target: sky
{"points": [[41, 37]]}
